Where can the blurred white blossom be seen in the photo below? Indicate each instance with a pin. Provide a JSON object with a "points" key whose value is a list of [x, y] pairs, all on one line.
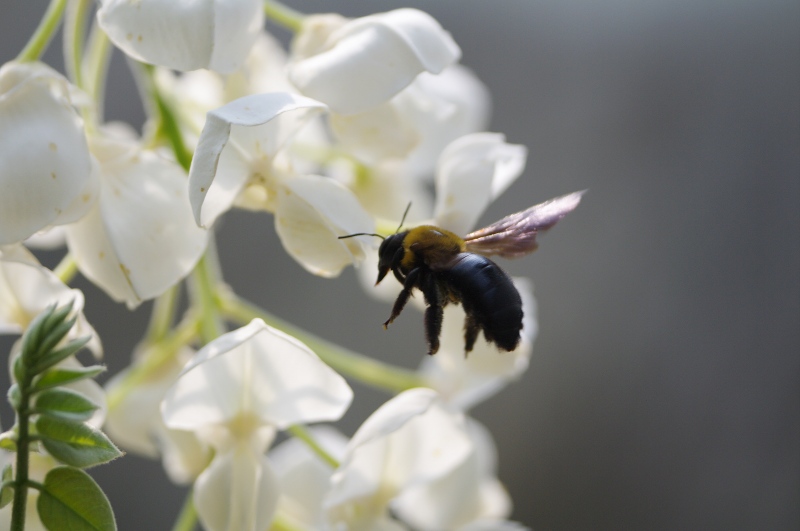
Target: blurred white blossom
{"points": [[139, 238], [357, 65], [27, 288], [212, 34], [46, 175]]}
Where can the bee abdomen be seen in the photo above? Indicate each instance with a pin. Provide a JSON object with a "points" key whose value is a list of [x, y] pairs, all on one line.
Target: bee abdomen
{"points": [[489, 297]]}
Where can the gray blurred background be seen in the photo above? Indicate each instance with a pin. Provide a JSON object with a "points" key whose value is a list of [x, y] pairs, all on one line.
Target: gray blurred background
{"points": [[664, 389]]}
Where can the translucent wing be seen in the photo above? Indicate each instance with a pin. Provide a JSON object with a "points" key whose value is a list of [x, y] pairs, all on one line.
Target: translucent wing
{"points": [[515, 235]]}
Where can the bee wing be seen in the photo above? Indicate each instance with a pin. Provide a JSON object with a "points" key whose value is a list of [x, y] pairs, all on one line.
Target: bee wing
{"points": [[515, 235]]}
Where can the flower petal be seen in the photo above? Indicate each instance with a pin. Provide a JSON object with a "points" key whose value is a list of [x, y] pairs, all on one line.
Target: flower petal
{"points": [[256, 371], [139, 239], [370, 59], [27, 288], [411, 440], [213, 34], [472, 171], [304, 478], [46, 173], [251, 127], [312, 213], [237, 492]]}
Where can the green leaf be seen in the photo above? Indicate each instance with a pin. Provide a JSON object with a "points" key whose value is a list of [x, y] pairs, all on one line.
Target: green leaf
{"points": [[53, 337], [65, 404], [15, 397], [49, 359], [19, 369], [72, 500], [75, 443], [57, 376], [7, 491], [33, 336], [8, 440]]}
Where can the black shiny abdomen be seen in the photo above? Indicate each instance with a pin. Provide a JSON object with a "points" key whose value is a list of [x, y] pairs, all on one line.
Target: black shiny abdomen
{"points": [[488, 295]]}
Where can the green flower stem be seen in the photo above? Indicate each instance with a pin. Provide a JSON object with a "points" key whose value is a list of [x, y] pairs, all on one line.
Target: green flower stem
{"points": [[98, 55], [357, 366], [302, 433], [187, 518], [44, 32], [284, 15], [66, 269], [204, 300], [21, 489], [162, 315], [158, 355], [74, 36], [281, 523], [168, 121]]}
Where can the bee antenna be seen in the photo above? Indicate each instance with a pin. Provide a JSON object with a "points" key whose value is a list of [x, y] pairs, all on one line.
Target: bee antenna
{"points": [[404, 218], [361, 234]]}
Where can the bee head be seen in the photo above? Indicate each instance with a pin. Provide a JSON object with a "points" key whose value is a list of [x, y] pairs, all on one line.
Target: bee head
{"points": [[386, 253]]}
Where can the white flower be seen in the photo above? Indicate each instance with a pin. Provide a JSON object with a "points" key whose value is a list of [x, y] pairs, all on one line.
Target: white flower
{"points": [[417, 124], [135, 423], [213, 34], [368, 60], [472, 171], [139, 239], [27, 288], [463, 381], [46, 173], [235, 394], [193, 94], [241, 157], [304, 478], [40, 465], [409, 442], [469, 493]]}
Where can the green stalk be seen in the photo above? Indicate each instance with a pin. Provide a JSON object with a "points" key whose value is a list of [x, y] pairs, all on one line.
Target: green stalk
{"points": [[41, 37], [202, 292], [95, 66], [74, 37], [162, 315], [168, 121], [66, 269], [302, 433], [23, 441], [284, 15], [187, 518], [357, 366]]}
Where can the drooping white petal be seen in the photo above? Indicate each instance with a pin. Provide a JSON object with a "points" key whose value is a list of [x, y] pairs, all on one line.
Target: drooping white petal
{"points": [[212, 34], [468, 492], [249, 129], [490, 524], [255, 371], [27, 288], [464, 381], [472, 171], [304, 477], [46, 175], [237, 492], [409, 441], [368, 60], [48, 239], [139, 239], [312, 213]]}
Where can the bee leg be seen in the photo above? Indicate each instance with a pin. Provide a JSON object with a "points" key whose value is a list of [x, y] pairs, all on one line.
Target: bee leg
{"points": [[471, 331], [402, 299], [434, 313]]}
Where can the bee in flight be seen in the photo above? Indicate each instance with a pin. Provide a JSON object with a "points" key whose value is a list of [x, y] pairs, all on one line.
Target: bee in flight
{"points": [[449, 269]]}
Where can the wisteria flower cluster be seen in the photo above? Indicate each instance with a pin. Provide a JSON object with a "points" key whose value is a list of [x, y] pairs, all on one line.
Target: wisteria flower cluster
{"points": [[335, 135]]}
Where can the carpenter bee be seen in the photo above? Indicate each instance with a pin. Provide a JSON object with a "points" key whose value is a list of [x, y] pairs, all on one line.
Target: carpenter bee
{"points": [[449, 269]]}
